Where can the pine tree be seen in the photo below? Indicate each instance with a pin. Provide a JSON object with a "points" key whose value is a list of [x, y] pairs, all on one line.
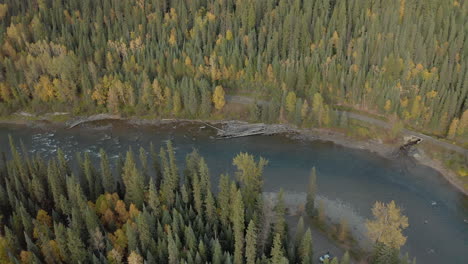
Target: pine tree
{"points": [[173, 251], [153, 199], [197, 194], [190, 239], [311, 192], [217, 252], [144, 165], [249, 172], [90, 176], [280, 213], [76, 247], [177, 103], [299, 232], [205, 104], [306, 249], [223, 198], [277, 254], [143, 226], [108, 181], [210, 207], [345, 259], [156, 166], [251, 241], [238, 224], [204, 176], [133, 181], [384, 254]]}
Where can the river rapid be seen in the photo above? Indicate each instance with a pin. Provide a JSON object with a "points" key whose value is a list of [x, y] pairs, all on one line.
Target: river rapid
{"points": [[437, 212]]}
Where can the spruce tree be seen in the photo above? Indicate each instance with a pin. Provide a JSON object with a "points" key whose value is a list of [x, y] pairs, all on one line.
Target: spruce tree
{"points": [[108, 180], [217, 254], [76, 247], [345, 259], [223, 198], [280, 213], [238, 224], [277, 254], [210, 207], [133, 181], [153, 199], [250, 243], [306, 249], [311, 193]]}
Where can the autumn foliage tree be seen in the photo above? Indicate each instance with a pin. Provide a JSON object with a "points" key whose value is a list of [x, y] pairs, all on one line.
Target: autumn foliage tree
{"points": [[218, 97], [388, 225]]}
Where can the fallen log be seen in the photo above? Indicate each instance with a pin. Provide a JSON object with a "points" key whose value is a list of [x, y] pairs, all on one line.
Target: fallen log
{"points": [[219, 129], [237, 129], [405, 148], [92, 118]]}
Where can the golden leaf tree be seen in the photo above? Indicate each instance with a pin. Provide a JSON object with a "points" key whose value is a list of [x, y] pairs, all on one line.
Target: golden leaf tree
{"points": [[3, 10], [291, 102], [134, 258], [453, 128], [463, 124], [387, 225], [5, 93], [218, 97], [44, 89]]}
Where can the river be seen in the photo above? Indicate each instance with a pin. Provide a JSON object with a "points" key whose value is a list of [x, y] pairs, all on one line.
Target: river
{"points": [[436, 233]]}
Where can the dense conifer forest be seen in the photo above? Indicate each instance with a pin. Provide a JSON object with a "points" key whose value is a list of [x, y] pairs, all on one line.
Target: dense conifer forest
{"points": [[147, 210], [177, 58]]}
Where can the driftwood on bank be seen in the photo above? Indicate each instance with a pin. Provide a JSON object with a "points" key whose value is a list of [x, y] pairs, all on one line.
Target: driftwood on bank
{"points": [[241, 129], [410, 142], [92, 118]]}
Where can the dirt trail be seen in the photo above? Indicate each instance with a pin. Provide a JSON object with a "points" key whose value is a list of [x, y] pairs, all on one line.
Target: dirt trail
{"points": [[380, 123]]}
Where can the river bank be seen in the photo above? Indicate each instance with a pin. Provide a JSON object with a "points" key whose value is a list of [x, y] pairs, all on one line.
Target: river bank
{"points": [[373, 145]]}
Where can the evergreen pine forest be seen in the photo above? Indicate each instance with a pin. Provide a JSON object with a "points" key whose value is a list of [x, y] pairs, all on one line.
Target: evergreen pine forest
{"points": [[405, 59]]}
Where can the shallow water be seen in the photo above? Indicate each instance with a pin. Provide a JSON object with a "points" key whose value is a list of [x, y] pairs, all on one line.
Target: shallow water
{"points": [[357, 177]]}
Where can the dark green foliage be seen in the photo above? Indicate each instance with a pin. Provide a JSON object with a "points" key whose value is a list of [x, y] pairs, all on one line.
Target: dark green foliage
{"points": [[250, 243], [305, 248], [133, 181], [142, 223], [383, 254], [311, 193], [108, 181]]}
